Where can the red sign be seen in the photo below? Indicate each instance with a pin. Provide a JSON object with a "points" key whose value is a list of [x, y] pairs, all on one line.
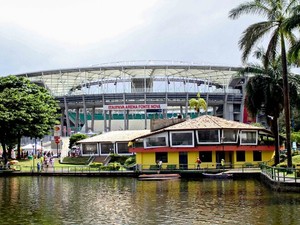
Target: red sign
{"points": [[57, 139]]}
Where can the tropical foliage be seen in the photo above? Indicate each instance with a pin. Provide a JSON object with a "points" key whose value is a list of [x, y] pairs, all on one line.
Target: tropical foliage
{"points": [[264, 92], [276, 13], [26, 109], [198, 103]]}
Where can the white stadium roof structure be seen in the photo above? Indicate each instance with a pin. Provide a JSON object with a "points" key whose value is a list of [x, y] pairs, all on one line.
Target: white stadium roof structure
{"points": [[101, 89], [126, 75]]}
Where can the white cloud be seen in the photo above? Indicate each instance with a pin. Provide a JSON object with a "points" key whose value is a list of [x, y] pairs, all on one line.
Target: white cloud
{"points": [[50, 34], [75, 22]]}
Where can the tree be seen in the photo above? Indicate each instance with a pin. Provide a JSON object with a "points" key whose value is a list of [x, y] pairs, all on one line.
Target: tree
{"points": [[264, 92], [198, 103], [76, 137], [26, 109], [291, 23], [276, 12]]}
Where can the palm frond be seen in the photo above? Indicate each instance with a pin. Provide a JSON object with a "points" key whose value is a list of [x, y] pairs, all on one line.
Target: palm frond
{"points": [[252, 35]]}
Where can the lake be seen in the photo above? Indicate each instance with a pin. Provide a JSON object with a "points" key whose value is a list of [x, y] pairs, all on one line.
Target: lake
{"points": [[102, 200]]}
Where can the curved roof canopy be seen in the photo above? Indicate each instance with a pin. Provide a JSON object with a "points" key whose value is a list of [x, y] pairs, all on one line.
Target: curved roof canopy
{"points": [[62, 82]]}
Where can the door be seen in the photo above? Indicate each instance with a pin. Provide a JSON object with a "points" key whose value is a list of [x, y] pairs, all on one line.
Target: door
{"points": [[219, 156], [183, 160]]}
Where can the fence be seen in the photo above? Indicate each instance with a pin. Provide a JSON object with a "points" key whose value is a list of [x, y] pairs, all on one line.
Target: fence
{"points": [[281, 174]]}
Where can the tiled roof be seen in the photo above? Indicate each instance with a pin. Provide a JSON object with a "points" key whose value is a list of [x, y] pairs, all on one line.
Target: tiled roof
{"points": [[116, 136], [211, 122]]}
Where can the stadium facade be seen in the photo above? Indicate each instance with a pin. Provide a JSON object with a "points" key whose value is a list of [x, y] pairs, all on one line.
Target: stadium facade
{"points": [[127, 95]]}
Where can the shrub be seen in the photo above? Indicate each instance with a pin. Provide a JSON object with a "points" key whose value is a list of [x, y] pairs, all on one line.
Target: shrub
{"points": [[96, 164]]}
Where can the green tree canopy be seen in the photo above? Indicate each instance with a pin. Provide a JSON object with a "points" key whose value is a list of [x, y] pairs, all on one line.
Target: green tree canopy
{"points": [[76, 137], [26, 109]]}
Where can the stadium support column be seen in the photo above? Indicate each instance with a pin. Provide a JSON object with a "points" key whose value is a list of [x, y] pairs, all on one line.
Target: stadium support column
{"points": [[126, 119], [68, 128], [227, 108], [93, 119], [77, 120], [109, 120], [85, 115], [145, 112], [186, 105], [63, 111], [104, 121]]}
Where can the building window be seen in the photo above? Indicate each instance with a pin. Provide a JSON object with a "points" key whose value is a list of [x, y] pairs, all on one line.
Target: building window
{"points": [[230, 136], [240, 156], [208, 136], [89, 148], [155, 142], [107, 148], [122, 148], [206, 156], [182, 139], [257, 156], [248, 137], [161, 156]]}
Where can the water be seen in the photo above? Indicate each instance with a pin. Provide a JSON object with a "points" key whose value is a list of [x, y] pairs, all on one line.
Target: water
{"points": [[85, 200]]}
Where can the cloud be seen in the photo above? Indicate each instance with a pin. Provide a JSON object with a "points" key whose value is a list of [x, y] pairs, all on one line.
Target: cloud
{"points": [[40, 35]]}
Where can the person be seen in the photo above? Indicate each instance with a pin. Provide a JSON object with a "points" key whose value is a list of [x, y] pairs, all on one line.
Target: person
{"points": [[198, 161], [223, 163], [38, 166]]}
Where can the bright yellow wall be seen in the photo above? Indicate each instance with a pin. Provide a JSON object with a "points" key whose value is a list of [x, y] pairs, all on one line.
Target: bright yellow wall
{"points": [[173, 158], [192, 157], [267, 156]]}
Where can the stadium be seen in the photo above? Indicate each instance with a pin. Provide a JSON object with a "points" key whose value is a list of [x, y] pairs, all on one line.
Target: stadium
{"points": [[127, 95]]}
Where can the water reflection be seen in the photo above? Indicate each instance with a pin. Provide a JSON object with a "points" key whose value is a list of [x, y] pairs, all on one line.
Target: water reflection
{"points": [[83, 200]]}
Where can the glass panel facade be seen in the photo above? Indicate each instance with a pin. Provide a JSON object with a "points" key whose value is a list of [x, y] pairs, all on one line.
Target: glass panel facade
{"points": [[122, 148], [205, 136], [230, 136], [155, 142], [248, 137], [182, 139], [89, 148], [107, 148]]}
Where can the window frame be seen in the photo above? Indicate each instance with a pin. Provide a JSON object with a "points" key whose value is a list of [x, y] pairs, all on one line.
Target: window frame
{"points": [[163, 135], [237, 133], [248, 131], [182, 132], [205, 143]]}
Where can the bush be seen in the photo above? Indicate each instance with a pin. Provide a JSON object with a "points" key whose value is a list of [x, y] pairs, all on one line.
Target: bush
{"points": [[130, 161], [118, 158], [111, 166], [80, 160], [96, 164]]}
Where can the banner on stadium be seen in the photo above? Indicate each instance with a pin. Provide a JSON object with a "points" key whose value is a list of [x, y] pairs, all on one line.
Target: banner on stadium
{"points": [[134, 106]]}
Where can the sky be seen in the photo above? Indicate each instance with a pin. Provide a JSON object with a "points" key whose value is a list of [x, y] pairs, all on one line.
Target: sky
{"points": [[43, 35]]}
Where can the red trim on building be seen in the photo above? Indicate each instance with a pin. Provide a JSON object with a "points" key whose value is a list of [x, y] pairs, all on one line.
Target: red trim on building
{"points": [[227, 148]]}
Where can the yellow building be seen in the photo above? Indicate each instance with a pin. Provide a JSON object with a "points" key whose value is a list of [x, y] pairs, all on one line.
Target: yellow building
{"points": [[207, 137]]}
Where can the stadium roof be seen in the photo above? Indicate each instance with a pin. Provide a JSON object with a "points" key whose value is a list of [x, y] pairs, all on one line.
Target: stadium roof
{"points": [[63, 82]]}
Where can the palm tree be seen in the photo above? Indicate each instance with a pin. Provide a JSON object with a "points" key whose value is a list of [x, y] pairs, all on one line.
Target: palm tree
{"points": [[276, 12], [290, 24], [198, 103], [264, 92]]}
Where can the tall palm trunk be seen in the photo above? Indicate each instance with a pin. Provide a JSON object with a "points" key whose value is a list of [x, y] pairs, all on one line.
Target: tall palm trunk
{"points": [[286, 102], [274, 127]]}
